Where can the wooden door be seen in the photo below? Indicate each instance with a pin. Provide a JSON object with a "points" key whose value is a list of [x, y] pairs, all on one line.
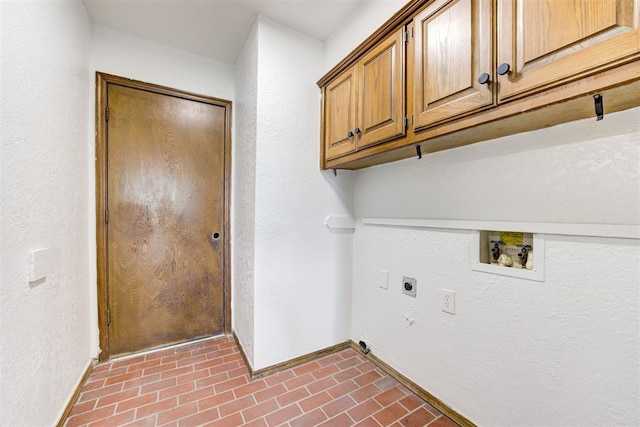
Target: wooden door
{"points": [[549, 42], [453, 48], [166, 201], [340, 115], [381, 107]]}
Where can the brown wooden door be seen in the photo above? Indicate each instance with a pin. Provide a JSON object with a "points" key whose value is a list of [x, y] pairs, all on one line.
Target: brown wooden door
{"points": [[381, 108], [166, 219], [340, 115], [453, 48], [550, 42]]}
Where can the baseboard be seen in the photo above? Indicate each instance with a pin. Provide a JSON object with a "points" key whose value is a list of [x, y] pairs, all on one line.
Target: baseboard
{"points": [[242, 353], [76, 393], [270, 370], [422, 393]]}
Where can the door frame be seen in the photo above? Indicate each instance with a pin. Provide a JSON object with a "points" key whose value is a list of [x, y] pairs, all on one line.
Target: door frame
{"points": [[102, 81]]}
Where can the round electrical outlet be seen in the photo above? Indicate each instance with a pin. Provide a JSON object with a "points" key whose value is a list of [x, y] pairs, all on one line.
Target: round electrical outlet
{"points": [[409, 286]]}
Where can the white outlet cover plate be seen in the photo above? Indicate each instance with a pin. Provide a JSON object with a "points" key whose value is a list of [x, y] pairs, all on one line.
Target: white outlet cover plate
{"points": [[448, 301]]}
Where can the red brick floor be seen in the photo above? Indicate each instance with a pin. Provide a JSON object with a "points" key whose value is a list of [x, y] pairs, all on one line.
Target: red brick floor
{"points": [[207, 383]]}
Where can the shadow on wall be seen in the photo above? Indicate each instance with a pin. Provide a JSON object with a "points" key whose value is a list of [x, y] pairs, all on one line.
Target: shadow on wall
{"points": [[341, 182], [620, 123], [578, 172]]}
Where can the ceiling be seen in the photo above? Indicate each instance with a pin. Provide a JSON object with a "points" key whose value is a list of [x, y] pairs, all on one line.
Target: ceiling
{"points": [[215, 29]]}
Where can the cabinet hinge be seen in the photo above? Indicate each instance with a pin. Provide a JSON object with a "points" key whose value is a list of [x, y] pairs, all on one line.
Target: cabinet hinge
{"points": [[408, 35], [106, 113], [106, 216], [406, 122], [108, 317]]}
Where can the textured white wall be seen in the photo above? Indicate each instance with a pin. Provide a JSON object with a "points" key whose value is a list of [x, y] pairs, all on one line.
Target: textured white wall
{"points": [[581, 172], [370, 15], [244, 182], [44, 116], [562, 352], [302, 269], [127, 56]]}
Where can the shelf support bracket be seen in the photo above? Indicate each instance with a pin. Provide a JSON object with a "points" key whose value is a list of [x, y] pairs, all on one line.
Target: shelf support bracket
{"points": [[597, 100]]}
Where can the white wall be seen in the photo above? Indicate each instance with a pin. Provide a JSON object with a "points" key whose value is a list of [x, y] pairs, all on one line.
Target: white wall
{"points": [[302, 269], [562, 352], [368, 17], [44, 115], [244, 195], [127, 56], [580, 172]]}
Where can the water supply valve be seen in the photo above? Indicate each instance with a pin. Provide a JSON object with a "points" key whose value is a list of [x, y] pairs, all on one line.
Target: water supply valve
{"points": [[495, 250], [523, 255]]}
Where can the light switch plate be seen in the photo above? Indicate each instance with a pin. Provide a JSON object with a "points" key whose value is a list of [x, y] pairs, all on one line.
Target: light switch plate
{"points": [[39, 264], [383, 279]]}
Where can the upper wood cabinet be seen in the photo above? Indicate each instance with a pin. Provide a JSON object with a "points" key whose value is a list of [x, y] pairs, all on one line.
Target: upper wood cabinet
{"points": [[545, 43], [340, 114], [381, 108], [453, 60], [444, 73], [365, 105]]}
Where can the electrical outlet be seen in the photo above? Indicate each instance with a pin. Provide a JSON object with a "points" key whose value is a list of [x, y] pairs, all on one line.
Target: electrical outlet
{"points": [[448, 301], [409, 286]]}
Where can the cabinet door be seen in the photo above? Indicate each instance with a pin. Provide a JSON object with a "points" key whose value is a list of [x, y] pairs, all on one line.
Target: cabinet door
{"points": [[340, 115], [550, 42], [453, 47], [381, 108]]}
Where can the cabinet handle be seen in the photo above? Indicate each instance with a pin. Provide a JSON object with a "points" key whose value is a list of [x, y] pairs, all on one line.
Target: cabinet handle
{"points": [[349, 134], [484, 78], [357, 131], [503, 69]]}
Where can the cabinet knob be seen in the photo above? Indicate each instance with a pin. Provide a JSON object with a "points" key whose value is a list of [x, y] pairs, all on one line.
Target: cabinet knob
{"points": [[357, 131], [484, 78], [349, 134], [503, 68]]}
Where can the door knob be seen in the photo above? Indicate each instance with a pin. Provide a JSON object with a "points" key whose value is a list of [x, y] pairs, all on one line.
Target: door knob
{"points": [[484, 78], [503, 68]]}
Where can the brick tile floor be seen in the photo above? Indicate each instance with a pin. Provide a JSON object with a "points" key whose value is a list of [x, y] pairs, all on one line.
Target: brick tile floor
{"points": [[207, 383]]}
